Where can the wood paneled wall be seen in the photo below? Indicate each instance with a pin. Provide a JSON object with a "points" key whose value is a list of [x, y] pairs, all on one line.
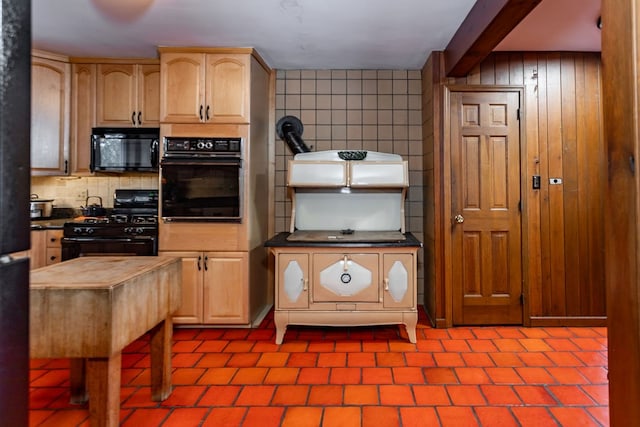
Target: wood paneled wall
{"points": [[562, 223]]}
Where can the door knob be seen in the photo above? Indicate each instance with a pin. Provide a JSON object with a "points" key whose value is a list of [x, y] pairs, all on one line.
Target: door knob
{"points": [[458, 219]]}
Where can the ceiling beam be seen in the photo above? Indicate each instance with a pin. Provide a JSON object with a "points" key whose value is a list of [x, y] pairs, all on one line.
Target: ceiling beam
{"points": [[488, 22]]}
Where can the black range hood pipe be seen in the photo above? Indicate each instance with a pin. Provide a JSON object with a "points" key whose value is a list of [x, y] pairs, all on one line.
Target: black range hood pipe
{"points": [[290, 129]]}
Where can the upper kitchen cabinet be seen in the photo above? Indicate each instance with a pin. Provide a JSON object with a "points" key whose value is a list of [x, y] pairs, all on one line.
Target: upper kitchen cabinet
{"points": [[205, 86], [50, 99], [83, 116], [128, 95]]}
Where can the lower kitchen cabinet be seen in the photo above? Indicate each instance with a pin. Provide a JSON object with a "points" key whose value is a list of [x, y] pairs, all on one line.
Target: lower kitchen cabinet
{"points": [[46, 248], [345, 287], [214, 288]]}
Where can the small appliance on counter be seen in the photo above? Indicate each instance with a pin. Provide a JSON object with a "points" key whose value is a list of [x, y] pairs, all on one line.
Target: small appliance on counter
{"points": [[130, 228], [40, 208]]}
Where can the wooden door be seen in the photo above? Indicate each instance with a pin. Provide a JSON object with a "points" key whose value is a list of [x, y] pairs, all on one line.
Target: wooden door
{"points": [[148, 113], [485, 197], [190, 311], [116, 95], [83, 116], [227, 88], [182, 87], [225, 288]]}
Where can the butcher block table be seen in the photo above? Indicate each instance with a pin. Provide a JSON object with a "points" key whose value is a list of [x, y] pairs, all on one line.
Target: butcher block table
{"points": [[89, 308]]}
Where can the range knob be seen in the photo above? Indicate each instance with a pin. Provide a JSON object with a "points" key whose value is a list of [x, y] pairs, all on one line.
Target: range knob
{"points": [[200, 145], [208, 145]]}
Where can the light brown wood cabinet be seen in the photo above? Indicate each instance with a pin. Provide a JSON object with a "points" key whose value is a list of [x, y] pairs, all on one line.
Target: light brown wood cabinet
{"points": [[343, 286], [83, 116], [50, 98], [205, 87], [45, 249], [214, 288], [128, 95]]}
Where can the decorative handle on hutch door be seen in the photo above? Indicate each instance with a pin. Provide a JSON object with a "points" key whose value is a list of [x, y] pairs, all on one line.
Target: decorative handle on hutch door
{"points": [[458, 219]]}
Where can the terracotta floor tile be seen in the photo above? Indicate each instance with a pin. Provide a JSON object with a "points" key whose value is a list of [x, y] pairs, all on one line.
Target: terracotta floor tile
{"points": [[263, 417], [534, 395], [535, 375], [65, 418], [243, 360], [396, 395], [463, 395], [448, 359], [294, 347], [461, 333], [209, 334], [290, 395], [440, 376], [534, 344], [348, 346], [535, 332], [325, 395], [592, 358], [559, 332], [570, 395], [418, 417], [599, 393], [255, 395], [587, 332], [300, 360], [455, 346], [573, 416], [472, 376], [563, 358], [314, 376], [408, 375], [377, 376], [345, 376], [186, 346], [437, 334], [321, 347], [500, 395], [430, 345], [361, 395], [529, 416], [129, 376], [380, 416], [359, 360], [506, 359], [341, 417], [217, 376], [588, 344], [235, 334], [600, 414], [272, 360], [375, 346], [213, 360], [508, 345], [265, 347], [53, 378], [249, 376], [390, 359], [330, 360], [182, 417], [477, 359], [186, 376], [431, 395], [225, 417], [220, 395], [130, 359], [535, 359], [140, 398], [561, 344], [419, 360], [595, 374], [510, 333], [486, 333], [184, 396], [212, 346], [504, 375], [143, 418], [41, 398], [495, 417], [282, 376], [456, 416], [302, 417], [482, 346], [401, 346], [567, 375]]}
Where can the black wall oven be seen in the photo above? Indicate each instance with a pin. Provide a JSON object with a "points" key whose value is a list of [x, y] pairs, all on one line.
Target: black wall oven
{"points": [[202, 179]]}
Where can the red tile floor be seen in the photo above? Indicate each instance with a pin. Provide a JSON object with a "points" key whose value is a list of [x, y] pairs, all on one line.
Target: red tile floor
{"points": [[364, 376]]}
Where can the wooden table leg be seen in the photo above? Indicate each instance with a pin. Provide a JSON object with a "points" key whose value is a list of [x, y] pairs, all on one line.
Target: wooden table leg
{"points": [[103, 384], [77, 378], [161, 340]]}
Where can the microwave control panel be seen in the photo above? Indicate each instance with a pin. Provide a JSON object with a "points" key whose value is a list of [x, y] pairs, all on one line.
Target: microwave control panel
{"points": [[209, 145]]}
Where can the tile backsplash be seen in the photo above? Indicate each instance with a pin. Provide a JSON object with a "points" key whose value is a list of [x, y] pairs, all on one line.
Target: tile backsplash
{"points": [[72, 192]]}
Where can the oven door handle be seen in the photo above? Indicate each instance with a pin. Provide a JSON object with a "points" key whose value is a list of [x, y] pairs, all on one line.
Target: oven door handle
{"points": [[105, 239], [200, 162]]}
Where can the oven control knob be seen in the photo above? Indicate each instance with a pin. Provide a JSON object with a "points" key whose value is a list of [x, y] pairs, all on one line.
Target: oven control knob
{"points": [[208, 145], [200, 145]]}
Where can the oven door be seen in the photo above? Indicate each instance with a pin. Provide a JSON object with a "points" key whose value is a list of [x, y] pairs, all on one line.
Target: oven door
{"points": [[201, 189], [74, 247]]}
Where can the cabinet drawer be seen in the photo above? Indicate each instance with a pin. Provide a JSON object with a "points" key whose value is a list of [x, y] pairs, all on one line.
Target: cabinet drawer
{"points": [[53, 238], [54, 255]]}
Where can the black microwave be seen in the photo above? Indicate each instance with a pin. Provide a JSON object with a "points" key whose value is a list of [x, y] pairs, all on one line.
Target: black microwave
{"points": [[124, 149]]}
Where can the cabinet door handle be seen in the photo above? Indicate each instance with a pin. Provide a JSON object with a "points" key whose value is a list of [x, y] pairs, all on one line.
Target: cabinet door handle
{"points": [[206, 259], [133, 118], [305, 284], [207, 113], [53, 239], [52, 257], [345, 267], [139, 121], [199, 260], [201, 112], [386, 283]]}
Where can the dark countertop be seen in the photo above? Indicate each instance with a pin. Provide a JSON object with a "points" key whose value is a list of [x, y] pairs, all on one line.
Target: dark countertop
{"points": [[58, 217], [280, 240]]}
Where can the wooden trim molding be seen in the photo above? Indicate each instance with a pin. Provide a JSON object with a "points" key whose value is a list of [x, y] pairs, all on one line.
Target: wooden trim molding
{"points": [[488, 22], [573, 322]]}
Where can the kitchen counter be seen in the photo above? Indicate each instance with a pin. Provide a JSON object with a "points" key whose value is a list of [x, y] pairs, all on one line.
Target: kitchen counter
{"points": [[58, 217], [282, 240]]}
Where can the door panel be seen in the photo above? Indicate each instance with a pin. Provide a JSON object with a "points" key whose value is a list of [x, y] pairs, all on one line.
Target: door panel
{"points": [[485, 197]]}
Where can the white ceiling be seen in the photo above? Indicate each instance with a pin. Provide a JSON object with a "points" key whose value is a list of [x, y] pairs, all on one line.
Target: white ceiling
{"points": [[294, 34]]}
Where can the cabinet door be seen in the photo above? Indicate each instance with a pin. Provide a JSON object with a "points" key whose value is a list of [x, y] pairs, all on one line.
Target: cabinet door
{"points": [[148, 114], [38, 251], [50, 96], [399, 287], [227, 88], [190, 311], [116, 95], [182, 87], [54, 246], [83, 116], [292, 286], [225, 288], [345, 277]]}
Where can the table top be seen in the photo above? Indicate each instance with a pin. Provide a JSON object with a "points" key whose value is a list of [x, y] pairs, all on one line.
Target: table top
{"points": [[282, 240], [95, 272]]}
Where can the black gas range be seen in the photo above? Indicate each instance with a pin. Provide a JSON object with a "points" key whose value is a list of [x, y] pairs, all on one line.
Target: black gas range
{"points": [[130, 228]]}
